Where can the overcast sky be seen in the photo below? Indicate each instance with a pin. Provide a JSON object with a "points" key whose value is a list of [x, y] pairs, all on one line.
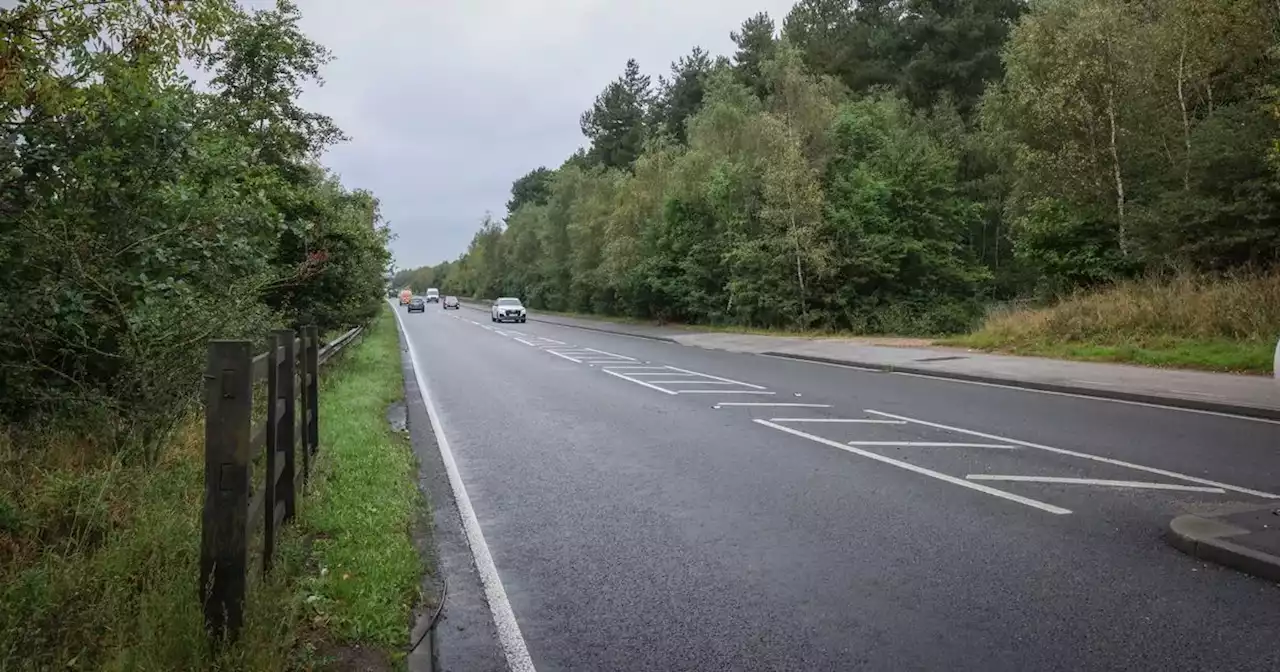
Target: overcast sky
{"points": [[448, 101]]}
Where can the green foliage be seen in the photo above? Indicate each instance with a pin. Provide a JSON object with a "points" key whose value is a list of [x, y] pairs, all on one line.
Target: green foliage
{"points": [[895, 165], [140, 217]]}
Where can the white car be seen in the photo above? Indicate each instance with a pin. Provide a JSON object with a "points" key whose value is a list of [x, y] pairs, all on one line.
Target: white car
{"points": [[507, 309]]}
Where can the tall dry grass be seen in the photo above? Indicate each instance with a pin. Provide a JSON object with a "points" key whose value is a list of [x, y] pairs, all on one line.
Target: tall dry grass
{"points": [[1196, 316]]}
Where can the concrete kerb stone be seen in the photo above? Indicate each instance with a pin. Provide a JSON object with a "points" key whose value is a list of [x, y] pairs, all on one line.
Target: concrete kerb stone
{"points": [[1122, 395], [1208, 539]]}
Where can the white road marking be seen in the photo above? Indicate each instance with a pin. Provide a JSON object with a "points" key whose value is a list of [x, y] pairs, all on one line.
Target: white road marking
{"points": [[723, 392], [526, 342], [504, 618], [851, 420], [1094, 481], [557, 354], [933, 444], [640, 368], [611, 354], [770, 403], [707, 375], [691, 381], [1090, 397], [1087, 456], [919, 470], [552, 340], [662, 373], [638, 382]]}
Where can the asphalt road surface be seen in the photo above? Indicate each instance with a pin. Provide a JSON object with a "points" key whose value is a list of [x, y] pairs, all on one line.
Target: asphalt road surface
{"points": [[652, 506]]}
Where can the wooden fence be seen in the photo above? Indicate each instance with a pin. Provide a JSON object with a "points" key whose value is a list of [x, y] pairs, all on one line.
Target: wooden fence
{"points": [[288, 419]]}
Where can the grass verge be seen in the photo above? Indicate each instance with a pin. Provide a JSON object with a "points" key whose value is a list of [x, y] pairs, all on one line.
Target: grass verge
{"points": [[99, 558], [361, 513], [1217, 324]]}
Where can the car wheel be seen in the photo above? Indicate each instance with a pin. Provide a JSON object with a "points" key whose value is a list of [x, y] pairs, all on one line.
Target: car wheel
{"points": [[523, 319]]}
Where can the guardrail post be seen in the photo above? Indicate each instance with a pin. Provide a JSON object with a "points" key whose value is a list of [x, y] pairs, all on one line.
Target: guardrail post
{"points": [[228, 394], [287, 391], [312, 389], [273, 456]]}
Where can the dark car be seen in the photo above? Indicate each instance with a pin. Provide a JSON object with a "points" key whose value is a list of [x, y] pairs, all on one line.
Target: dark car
{"points": [[450, 302], [416, 304]]}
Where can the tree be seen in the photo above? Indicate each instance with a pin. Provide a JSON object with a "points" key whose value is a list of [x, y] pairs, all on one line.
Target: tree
{"points": [[615, 124], [533, 187], [756, 43], [680, 97]]}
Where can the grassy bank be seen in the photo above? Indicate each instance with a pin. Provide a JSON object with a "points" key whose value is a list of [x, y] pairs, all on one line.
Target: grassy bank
{"points": [[99, 558], [1214, 324]]}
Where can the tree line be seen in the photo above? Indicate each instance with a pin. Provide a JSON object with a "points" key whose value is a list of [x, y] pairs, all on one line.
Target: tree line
{"points": [[898, 165], [142, 214]]}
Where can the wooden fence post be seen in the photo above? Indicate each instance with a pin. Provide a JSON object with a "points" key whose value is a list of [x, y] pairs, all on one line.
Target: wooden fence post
{"points": [[304, 422], [312, 389], [287, 392], [273, 457], [228, 390]]}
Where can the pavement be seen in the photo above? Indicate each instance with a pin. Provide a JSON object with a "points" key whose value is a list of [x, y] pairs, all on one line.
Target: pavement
{"points": [[643, 505]]}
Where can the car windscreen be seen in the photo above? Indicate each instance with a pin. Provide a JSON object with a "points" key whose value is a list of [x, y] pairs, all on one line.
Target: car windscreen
{"points": [[508, 302]]}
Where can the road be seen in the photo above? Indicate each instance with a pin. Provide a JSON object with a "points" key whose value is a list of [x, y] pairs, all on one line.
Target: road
{"points": [[652, 506]]}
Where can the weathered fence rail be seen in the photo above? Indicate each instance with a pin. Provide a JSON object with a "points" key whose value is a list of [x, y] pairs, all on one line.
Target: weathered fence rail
{"points": [[283, 427]]}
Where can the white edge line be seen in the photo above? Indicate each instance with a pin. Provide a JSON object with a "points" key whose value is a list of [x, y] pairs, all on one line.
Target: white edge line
{"points": [[920, 470], [575, 361], [707, 375], [1090, 397], [770, 403], [1087, 456], [638, 382], [858, 421], [513, 644], [1094, 481], [722, 391]]}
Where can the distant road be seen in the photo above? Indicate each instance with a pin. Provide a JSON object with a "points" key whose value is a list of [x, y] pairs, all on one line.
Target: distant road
{"points": [[652, 506]]}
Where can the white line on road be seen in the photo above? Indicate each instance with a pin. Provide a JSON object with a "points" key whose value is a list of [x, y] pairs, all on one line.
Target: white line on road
{"points": [[525, 342], [611, 354], [691, 381], [851, 420], [509, 636], [933, 444], [723, 392], [1090, 397], [771, 403], [659, 369], [638, 382], [707, 375], [1094, 481], [551, 340], [1087, 456], [919, 470], [557, 354]]}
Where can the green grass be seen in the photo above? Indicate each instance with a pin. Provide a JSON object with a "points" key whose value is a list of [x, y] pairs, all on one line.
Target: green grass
{"points": [[1220, 355], [365, 505], [99, 558]]}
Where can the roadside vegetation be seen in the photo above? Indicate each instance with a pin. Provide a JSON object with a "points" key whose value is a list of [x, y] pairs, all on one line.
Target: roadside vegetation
{"points": [[901, 167], [140, 216], [1221, 324]]}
